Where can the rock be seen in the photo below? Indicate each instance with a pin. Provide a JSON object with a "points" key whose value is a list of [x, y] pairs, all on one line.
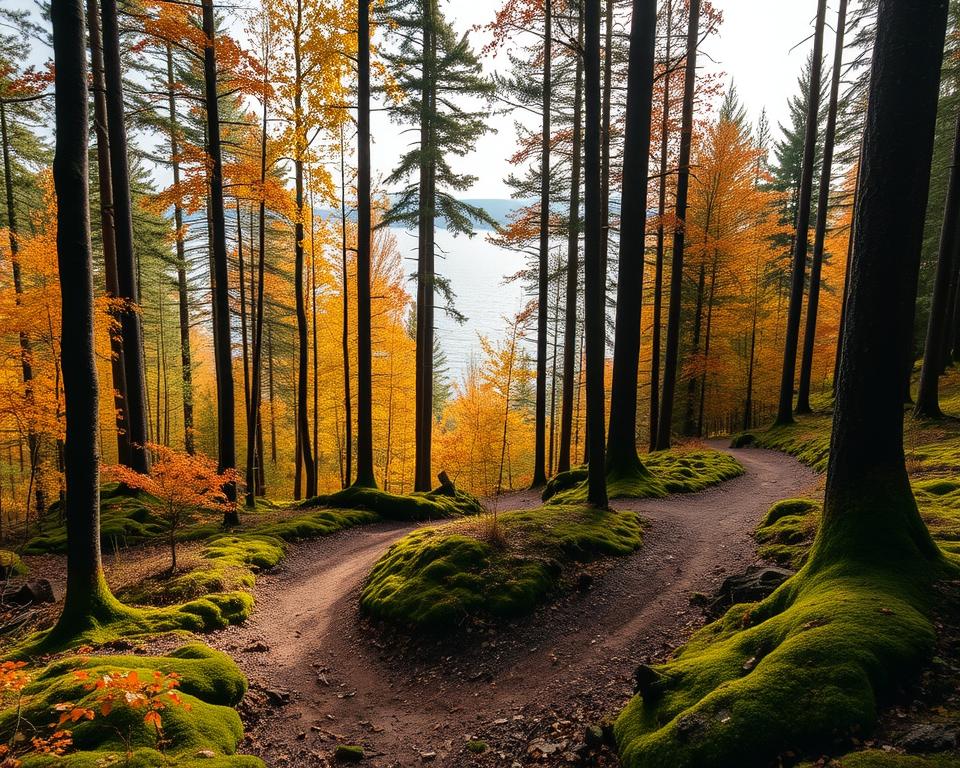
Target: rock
{"points": [[594, 737], [280, 698], [427, 757], [539, 748], [931, 737], [206, 754], [348, 753], [756, 583], [584, 582], [647, 682], [30, 592], [257, 647]]}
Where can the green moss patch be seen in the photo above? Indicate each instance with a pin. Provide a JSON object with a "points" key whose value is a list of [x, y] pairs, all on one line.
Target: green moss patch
{"points": [[664, 472], [797, 672], [878, 758], [314, 524], [788, 530], [11, 565], [204, 732], [807, 440], [437, 578], [435, 505]]}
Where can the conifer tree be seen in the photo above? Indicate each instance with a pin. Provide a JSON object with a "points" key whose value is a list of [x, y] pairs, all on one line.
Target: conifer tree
{"points": [[431, 65]]}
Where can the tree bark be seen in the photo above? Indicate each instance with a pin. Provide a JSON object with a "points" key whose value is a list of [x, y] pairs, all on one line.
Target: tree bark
{"points": [[800, 244], [130, 325], [186, 364], [594, 309], [816, 267], [928, 394], [658, 269], [365, 475], [87, 594], [425, 267], [672, 351], [106, 222], [573, 273], [869, 512], [622, 439], [543, 278], [345, 331], [223, 357]]}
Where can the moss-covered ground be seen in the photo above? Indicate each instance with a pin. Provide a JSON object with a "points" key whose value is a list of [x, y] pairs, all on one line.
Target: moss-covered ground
{"points": [[807, 671], [203, 730], [440, 577], [434, 505], [681, 470]]}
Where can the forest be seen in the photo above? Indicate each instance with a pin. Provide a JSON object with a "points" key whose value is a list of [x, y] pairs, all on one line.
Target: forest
{"points": [[314, 452]]}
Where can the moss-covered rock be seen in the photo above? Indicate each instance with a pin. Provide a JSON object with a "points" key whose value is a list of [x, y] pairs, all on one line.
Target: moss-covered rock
{"points": [[436, 578], [11, 565], [675, 471], [348, 753], [210, 685], [434, 505], [877, 758]]}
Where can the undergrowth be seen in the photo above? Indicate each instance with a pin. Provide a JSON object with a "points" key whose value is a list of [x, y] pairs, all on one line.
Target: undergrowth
{"points": [[199, 726], [679, 470], [437, 578], [434, 505]]}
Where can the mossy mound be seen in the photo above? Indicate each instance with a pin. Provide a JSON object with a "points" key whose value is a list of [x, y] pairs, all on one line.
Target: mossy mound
{"points": [[125, 519], [877, 758], [436, 578], [313, 525], [210, 683], [743, 440], [662, 473], [797, 672], [435, 505], [788, 530], [348, 753], [11, 565]]}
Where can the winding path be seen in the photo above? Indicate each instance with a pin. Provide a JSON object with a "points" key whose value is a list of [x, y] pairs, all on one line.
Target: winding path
{"points": [[321, 677]]}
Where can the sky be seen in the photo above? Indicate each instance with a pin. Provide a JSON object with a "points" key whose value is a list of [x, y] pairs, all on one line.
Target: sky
{"points": [[761, 46]]}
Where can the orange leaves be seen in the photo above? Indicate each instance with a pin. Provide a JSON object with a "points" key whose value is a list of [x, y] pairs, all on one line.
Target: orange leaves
{"points": [[13, 677], [151, 696]]}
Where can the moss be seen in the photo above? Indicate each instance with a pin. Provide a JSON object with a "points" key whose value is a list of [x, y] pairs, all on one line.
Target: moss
{"points": [[743, 440], [211, 684], [435, 578], [664, 472], [795, 672], [435, 505], [320, 522], [11, 565], [476, 747], [876, 758], [347, 753]]}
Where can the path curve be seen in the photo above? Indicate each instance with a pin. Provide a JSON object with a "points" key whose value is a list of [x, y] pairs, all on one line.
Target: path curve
{"points": [[539, 678]]}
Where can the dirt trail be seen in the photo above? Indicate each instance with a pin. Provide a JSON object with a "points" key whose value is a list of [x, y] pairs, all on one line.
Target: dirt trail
{"points": [[542, 678]]}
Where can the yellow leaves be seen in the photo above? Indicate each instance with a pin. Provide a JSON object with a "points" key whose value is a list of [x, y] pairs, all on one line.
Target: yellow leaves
{"points": [[13, 676]]}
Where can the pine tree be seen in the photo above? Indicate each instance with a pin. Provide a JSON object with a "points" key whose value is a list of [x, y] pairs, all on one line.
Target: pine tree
{"points": [[430, 64]]}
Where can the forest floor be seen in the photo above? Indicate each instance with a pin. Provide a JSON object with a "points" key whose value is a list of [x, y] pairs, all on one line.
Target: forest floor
{"points": [[518, 693]]}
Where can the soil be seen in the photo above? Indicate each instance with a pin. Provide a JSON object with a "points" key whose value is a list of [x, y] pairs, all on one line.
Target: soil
{"points": [[523, 693]]}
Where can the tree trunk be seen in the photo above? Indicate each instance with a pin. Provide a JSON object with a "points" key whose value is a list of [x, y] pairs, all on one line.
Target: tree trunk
{"points": [[799, 268], [846, 276], [130, 324], [186, 365], [688, 425], [594, 309], [813, 299], [573, 274], [622, 440], [254, 468], [226, 441], [345, 300], [869, 512], [425, 267], [928, 394], [87, 596], [672, 351], [106, 222], [607, 96], [543, 278], [658, 270], [365, 476]]}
